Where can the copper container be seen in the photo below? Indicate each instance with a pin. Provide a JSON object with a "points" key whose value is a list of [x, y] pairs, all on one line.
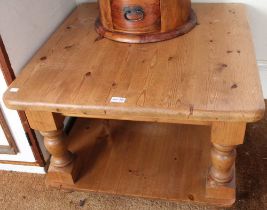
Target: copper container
{"points": [[141, 21]]}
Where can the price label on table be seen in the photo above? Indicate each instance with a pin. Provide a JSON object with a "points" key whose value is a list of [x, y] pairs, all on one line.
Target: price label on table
{"points": [[118, 100]]}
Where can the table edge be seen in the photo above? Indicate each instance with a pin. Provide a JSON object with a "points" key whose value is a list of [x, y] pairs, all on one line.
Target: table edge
{"points": [[144, 114]]}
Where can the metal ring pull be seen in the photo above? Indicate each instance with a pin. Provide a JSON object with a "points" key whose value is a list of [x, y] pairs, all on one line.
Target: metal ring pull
{"points": [[134, 14]]}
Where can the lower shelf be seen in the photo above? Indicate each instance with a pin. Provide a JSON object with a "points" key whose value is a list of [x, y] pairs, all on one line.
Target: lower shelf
{"points": [[150, 160]]}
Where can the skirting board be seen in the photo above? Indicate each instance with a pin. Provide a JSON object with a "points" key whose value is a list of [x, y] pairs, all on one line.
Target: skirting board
{"points": [[263, 76], [22, 168]]}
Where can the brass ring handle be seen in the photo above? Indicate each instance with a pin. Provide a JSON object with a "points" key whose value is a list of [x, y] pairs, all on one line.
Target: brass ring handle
{"points": [[134, 14]]}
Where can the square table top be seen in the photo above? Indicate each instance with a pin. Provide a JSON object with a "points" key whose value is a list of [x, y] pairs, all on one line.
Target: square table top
{"points": [[209, 74]]}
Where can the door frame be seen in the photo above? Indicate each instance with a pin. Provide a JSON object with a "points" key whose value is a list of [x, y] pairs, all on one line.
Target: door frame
{"points": [[11, 148], [9, 76]]}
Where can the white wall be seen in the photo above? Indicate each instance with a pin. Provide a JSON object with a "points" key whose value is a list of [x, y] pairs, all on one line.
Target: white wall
{"points": [[82, 1], [16, 129], [25, 25]]}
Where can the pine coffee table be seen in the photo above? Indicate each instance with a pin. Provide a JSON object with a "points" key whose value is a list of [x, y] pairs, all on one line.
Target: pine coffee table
{"points": [[159, 120]]}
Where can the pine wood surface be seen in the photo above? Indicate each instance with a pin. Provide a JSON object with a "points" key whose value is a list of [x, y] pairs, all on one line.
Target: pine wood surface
{"points": [[150, 160], [208, 74]]}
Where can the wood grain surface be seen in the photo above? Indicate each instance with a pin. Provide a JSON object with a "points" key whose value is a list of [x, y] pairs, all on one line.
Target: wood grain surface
{"points": [[209, 74], [141, 38], [137, 21], [105, 14], [174, 13], [149, 160], [149, 23]]}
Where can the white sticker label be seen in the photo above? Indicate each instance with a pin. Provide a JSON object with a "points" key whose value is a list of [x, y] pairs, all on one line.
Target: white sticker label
{"points": [[118, 100], [14, 90]]}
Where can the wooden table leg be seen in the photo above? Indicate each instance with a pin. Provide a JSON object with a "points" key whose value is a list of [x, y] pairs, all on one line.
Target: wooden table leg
{"points": [[225, 136], [55, 145], [62, 168]]}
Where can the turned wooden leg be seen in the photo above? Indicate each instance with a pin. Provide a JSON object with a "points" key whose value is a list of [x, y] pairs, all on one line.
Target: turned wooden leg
{"points": [[221, 176], [223, 160], [55, 145], [62, 167]]}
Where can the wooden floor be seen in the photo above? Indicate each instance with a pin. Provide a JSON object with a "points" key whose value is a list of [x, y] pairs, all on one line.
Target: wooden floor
{"points": [[150, 160]]}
